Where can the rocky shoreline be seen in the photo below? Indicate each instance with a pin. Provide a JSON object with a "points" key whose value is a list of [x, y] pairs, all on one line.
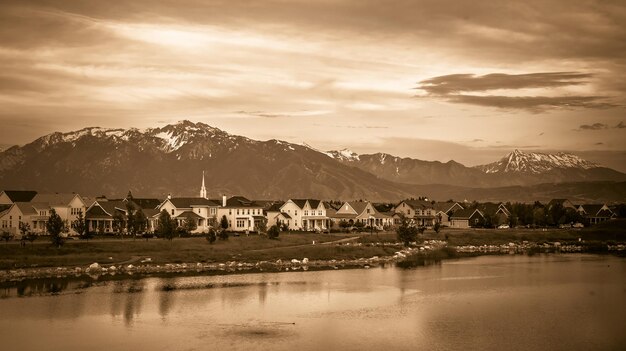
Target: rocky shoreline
{"points": [[427, 250]]}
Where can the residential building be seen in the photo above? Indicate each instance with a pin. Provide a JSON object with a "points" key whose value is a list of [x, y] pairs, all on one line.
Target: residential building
{"points": [[8, 197], [242, 214], [306, 214], [595, 213], [443, 211], [203, 211], [419, 212], [363, 212], [466, 218]]}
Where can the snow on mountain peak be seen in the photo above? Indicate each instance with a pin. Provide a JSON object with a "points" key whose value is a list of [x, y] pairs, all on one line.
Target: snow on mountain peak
{"points": [[536, 163], [343, 155]]}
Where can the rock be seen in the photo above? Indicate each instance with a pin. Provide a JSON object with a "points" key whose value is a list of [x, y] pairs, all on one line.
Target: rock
{"points": [[279, 261], [130, 267], [112, 268], [94, 266], [305, 260], [294, 261]]}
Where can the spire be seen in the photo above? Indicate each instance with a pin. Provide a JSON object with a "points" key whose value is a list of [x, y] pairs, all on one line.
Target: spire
{"points": [[203, 188]]}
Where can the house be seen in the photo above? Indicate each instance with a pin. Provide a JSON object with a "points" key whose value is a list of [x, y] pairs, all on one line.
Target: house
{"points": [[101, 215], [274, 215], [497, 213], [66, 205], [466, 218], [201, 210], [306, 214], [443, 211], [36, 211], [595, 213], [363, 212], [8, 197], [242, 214], [565, 203], [419, 212]]}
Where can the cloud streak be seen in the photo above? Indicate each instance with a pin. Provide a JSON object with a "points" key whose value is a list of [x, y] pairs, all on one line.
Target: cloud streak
{"points": [[458, 88]]}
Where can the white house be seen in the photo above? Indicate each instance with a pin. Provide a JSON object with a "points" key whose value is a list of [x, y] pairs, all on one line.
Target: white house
{"points": [[306, 214], [243, 215], [364, 212], [199, 209]]}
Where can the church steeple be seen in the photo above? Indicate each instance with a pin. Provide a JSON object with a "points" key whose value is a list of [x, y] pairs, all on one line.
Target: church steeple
{"points": [[203, 188]]}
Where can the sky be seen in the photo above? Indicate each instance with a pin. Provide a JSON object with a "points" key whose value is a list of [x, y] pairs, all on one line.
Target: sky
{"points": [[434, 80]]}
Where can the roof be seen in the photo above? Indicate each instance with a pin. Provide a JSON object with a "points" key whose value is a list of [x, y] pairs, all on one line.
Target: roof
{"points": [[20, 195], [55, 199], [275, 207], [595, 210], [26, 208], [445, 206], [106, 208], [150, 212], [299, 202], [358, 206], [418, 203], [240, 201], [146, 203], [286, 215], [4, 208], [188, 202], [465, 213], [189, 214], [40, 205]]}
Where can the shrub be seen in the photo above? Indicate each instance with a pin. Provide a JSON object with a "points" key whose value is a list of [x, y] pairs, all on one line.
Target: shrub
{"points": [[273, 232]]}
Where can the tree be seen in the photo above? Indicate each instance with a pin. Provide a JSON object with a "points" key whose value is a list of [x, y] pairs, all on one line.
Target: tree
{"points": [[262, 226], [131, 226], [80, 226], [140, 222], [6, 236], [273, 232], [406, 233], [211, 236], [54, 226], [224, 223], [189, 225], [166, 227], [437, 227], [343, 224], [27, 234], [118, 222], [223, 234], [359, 225]]}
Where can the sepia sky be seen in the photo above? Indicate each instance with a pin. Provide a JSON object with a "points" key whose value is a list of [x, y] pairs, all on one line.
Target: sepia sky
{"points": [[435, 80]]}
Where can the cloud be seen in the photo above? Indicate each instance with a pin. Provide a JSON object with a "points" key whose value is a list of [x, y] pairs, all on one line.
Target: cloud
{"points": [[457, 88], [457, 83], [595, 126]]}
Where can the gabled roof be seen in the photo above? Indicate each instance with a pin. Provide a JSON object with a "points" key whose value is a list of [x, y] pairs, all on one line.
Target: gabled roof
{"points": [[240, 201], [466, 213], [4, 208], [188, 202], [26, 208], [275, 207], [40, 206], [358, 206], [189, 214], [106, 208], [20, 195], [445, 206], [415, 204], [299, 202], [314, 203], [145, 203], [56, 199], [595, 210]]}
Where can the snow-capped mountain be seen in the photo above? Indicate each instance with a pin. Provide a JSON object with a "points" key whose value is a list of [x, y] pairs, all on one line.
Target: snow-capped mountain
{"points": [[171, 159], [536, 163]]}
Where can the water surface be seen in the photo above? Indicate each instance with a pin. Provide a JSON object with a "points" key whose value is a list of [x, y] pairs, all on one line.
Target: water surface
{"points": [[545, 302]]}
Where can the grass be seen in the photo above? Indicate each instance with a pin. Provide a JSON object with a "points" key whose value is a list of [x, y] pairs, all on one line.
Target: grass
{"points": [[289, 245], [243, 248]]}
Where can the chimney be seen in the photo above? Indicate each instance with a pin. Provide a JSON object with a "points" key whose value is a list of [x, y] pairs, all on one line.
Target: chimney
{"points": [[223, 200]]}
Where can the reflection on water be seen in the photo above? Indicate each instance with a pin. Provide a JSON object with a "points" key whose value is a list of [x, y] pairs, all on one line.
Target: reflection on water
{"points": [[495, 302]]}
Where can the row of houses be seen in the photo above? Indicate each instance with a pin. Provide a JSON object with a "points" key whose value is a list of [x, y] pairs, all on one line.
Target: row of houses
{"points": [[244, 215]]}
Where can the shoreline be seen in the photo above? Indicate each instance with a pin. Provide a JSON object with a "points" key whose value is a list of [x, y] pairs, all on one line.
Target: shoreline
{"points": [[429, 252]]}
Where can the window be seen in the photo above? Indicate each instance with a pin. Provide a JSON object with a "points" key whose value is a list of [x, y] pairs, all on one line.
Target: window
{"points": [[212, 211], [306, 212], [368, 210], [248, 211], [230, 212], [319, 213], [172, 212], [237, 211], [241, 223], [296, 212], [409, 212]]}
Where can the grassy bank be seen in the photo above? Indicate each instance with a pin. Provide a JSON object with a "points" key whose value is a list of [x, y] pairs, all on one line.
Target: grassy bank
{"points": [[244, 248]]}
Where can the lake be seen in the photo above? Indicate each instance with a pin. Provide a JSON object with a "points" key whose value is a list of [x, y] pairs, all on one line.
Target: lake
{"points": [[542, 302]]}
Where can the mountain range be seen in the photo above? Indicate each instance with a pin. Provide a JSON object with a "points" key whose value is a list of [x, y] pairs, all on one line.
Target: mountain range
{"points": [[171, 159]]}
